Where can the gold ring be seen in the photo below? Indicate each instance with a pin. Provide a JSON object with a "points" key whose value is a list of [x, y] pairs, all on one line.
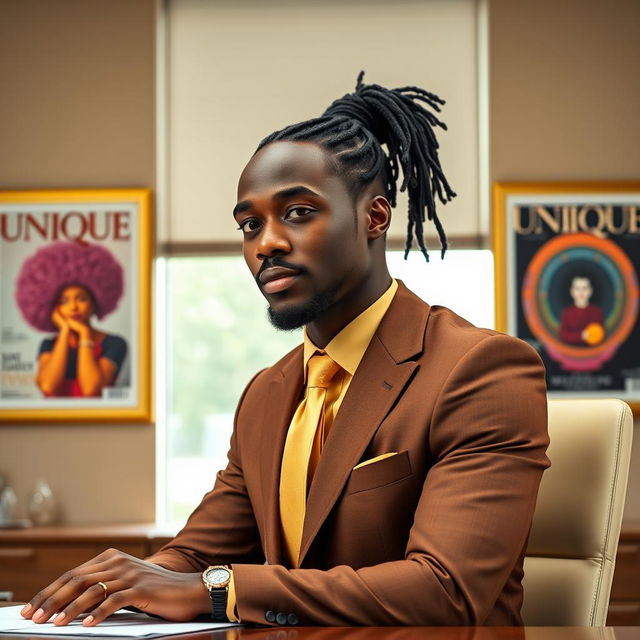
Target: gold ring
{"points": [[106, 591]]}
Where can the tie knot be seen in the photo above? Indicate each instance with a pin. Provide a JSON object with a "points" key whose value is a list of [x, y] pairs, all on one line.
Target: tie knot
{"points": [[320, 369]]}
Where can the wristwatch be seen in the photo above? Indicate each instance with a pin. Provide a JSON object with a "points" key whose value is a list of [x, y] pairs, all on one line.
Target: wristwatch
{"points": [[216, 579]]}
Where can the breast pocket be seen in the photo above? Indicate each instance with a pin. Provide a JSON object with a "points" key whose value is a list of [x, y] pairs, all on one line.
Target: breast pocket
{"points": [[380, 473]]}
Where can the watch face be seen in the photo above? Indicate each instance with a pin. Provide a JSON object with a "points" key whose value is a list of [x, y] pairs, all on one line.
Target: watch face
{"points": [[217, 576]]}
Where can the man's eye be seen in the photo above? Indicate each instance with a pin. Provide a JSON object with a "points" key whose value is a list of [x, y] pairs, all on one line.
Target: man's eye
{"points": [[298, 212], [250, 224]]}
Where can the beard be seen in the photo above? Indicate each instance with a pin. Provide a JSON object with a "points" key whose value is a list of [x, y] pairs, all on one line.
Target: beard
{"points": [[296, 316]]}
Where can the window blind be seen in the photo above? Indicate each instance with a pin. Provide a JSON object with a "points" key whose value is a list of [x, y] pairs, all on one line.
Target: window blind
{"points": [[238, 70]]}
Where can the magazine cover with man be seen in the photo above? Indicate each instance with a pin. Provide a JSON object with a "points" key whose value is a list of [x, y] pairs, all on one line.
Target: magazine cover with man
{"points": [[572, 274]]}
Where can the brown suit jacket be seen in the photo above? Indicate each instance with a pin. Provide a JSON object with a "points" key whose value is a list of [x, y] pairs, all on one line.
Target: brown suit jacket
{"points": [[434, 535]]}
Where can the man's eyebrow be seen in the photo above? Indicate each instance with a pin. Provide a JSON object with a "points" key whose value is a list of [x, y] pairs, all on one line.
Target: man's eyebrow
{"points": [[243, 205], [283, 194], [291, 192]]}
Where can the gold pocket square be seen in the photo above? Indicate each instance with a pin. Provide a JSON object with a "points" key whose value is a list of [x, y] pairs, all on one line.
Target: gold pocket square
{"points": [[376, 459]]}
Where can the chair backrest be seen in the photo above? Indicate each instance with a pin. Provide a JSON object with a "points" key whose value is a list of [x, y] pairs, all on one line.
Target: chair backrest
{"points": [[572, 547]]}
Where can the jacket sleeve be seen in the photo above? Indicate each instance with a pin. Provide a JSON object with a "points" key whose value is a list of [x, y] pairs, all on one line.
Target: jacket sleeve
{"points": [[222, 529], [488, 437]]}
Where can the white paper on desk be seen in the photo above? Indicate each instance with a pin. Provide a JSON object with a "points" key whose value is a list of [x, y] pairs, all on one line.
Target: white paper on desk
{"points": [[121, 623]]}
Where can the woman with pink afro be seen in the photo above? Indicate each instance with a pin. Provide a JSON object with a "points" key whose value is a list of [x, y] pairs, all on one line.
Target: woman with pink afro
{"points": [[60, 288]]}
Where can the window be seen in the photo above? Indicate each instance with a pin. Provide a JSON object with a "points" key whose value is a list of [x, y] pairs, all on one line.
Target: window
{"points": [[218, 337]]}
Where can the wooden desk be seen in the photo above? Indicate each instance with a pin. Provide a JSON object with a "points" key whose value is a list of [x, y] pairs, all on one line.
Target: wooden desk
{"points": [[392, 633]]}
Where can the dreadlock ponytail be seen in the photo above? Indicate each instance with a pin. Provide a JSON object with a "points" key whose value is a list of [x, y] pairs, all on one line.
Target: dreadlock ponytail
{"points": [[353, 130]]}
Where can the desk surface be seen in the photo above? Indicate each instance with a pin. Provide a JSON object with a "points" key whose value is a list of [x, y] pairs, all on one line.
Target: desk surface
{"points": [[389, 633], [394, 633]]}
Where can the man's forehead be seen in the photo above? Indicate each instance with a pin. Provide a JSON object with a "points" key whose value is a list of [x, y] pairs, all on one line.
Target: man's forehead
{"points": [[283, 163]]}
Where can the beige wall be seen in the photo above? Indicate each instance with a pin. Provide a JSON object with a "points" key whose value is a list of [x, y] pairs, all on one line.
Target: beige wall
{"points": [[564, 94], [564, 90], [77, 110]]}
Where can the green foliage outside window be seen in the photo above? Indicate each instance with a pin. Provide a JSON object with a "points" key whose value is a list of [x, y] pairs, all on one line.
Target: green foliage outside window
{"points": [[219, 337]]}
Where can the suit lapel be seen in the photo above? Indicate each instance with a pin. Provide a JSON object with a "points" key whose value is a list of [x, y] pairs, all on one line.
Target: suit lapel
{"points": [[379, 381], [284, 395]]}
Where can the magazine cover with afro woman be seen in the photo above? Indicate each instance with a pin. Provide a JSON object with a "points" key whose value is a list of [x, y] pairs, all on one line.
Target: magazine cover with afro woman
{"points": [[74, 284]]}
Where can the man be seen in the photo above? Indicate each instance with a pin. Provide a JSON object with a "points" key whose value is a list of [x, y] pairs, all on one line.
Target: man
{"points": [[581, 323], [386, 471]]}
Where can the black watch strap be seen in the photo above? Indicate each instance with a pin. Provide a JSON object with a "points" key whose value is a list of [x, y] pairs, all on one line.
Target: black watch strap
{"points": [[219, 604]]}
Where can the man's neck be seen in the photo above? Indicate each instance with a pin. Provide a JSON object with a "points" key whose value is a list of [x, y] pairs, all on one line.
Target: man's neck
{"points": [[325, 328]]}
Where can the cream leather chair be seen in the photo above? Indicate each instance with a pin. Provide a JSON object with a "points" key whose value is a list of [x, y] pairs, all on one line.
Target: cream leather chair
{"points": [[572, 548]]}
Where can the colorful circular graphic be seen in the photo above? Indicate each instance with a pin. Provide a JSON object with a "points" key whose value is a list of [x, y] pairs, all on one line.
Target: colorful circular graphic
{"points": [[580, 299]]}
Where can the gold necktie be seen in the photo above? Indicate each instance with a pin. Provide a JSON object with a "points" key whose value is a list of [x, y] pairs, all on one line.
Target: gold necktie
{"points": [[308, 418]]}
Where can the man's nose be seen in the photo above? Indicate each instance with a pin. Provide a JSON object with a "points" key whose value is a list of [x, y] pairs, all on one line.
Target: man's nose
{"points": [[273, 241]]}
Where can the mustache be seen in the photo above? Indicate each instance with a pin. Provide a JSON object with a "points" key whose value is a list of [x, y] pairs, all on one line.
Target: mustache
{"points": [[276, 261]]}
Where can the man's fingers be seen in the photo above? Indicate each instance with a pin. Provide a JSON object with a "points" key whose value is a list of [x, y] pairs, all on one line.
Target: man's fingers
{"points": [[101, 585], [40, 608], [113, 602], [93, 596], [64, 593], [99, 560], [66, 589], [35, 610]]}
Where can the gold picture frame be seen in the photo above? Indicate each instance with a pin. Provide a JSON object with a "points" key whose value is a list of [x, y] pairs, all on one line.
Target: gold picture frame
{"points": [[54, 243], [567, 267]]}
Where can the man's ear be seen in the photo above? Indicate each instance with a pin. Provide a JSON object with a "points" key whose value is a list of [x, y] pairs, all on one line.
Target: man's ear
{"points": [[379, 217]]}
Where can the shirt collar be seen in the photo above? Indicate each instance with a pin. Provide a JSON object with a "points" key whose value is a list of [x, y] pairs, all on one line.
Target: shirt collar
{"points": [[347, 347]]}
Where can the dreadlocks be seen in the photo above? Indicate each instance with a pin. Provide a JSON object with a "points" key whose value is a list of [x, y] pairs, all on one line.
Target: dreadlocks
{"points": [[353, 130]]}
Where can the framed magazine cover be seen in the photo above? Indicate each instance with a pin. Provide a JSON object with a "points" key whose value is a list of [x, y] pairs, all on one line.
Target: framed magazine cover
{"points": [[75, 328], [567, 260]]}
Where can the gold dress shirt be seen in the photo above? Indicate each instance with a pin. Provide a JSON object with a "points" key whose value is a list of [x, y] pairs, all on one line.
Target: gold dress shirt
{"points": [[347, 349]]}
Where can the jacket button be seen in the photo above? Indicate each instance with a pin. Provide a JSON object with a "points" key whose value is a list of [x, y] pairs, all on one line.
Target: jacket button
{"points": [[292, 619], [270, 616], [281, 618]]}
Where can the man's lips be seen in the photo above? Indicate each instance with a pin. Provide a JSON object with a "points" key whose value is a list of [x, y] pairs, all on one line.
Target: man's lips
{"points": [[275, 279]]}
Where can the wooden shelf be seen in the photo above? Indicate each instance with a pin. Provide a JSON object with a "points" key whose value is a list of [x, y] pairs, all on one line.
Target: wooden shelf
{"points": [[624, 605]]}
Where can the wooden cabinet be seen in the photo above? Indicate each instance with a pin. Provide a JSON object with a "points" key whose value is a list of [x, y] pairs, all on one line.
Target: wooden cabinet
{"points": [[30, 559], [624, 606]]}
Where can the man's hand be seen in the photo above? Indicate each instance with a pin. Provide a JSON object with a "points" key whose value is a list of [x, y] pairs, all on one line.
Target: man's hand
{"points": [[129, 581]]}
